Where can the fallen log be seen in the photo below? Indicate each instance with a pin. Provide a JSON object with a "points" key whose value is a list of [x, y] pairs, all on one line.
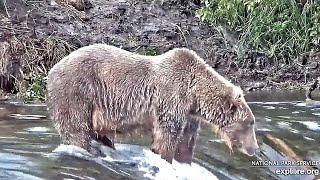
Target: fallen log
{"points": [[281, 147], [285, 150]]}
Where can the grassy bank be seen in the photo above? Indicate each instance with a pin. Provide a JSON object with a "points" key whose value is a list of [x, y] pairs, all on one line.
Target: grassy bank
{"points": [[284, 30], [255, 44]]}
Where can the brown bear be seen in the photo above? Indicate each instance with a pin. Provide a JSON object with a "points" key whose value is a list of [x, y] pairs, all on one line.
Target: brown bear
{"points": [[100, 89]]}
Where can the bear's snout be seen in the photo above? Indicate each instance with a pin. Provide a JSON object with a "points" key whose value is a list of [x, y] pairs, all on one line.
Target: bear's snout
{"points": [[250, 151]]}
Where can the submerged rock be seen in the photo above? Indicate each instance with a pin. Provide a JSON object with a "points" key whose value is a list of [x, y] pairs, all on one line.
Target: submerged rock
{"points": [[314, 90], [3, 96], [313, 94], [312, 103]]}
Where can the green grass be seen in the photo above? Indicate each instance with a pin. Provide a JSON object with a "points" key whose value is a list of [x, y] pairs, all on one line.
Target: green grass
{"points": [[285, 29]]}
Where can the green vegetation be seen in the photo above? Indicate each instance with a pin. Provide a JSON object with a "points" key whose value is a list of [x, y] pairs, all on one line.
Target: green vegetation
{"points": [[35, 90], [285, 29], [151, 52]]}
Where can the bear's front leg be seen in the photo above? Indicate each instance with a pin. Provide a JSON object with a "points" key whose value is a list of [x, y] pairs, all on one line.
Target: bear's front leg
{"points": [[165, 140], [187, 141]]}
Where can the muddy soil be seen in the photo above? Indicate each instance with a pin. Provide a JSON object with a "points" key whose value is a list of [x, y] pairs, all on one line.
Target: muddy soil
{"points": [[34, 35]]}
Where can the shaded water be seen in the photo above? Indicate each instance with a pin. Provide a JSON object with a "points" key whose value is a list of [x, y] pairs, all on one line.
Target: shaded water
{"points": [[28, 146]]}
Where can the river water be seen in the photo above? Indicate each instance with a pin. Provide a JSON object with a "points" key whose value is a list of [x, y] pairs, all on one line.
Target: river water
{"points": [[30, 149]]}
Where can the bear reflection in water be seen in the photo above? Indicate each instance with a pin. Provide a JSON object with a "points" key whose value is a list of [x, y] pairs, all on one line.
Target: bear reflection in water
{"points": [[99, 89]]}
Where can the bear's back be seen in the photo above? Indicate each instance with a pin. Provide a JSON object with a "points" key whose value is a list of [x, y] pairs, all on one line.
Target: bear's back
{"points": [[103, 60]]}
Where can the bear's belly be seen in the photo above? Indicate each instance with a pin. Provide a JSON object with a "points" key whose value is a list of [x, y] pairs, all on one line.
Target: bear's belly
{"points": [[142, 124]]}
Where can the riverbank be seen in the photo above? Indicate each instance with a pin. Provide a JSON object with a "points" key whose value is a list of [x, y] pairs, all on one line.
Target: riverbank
{"points": [[39, 34]]}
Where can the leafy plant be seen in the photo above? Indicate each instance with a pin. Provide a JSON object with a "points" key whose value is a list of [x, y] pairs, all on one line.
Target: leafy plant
{"points": [[35, 90], [151, 52]]}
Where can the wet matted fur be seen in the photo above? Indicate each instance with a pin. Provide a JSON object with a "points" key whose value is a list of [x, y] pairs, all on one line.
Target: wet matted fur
{"points": [[99, 89]]}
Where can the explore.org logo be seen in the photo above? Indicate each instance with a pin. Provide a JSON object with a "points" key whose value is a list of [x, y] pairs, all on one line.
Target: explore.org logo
{"points": [[292, 171]]}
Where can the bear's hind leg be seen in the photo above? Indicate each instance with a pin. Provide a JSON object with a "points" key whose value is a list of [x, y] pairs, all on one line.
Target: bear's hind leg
{"points": [[164, 141], [187, 142]]}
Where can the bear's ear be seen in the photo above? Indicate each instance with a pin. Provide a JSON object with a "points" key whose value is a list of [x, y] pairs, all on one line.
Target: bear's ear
{"points": [[237, 96]]}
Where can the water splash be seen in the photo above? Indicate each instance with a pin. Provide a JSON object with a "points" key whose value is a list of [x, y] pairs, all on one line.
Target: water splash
{"points": [[134, 161], [311, 125], [175, 170], [38, 129]]}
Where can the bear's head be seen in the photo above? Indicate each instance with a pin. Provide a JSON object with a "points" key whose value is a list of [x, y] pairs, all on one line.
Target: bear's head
{"points": [[222, 104], [236, 123]]}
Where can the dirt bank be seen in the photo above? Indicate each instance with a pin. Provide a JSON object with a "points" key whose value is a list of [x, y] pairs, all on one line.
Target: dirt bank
{"points": [[38, 34]]}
